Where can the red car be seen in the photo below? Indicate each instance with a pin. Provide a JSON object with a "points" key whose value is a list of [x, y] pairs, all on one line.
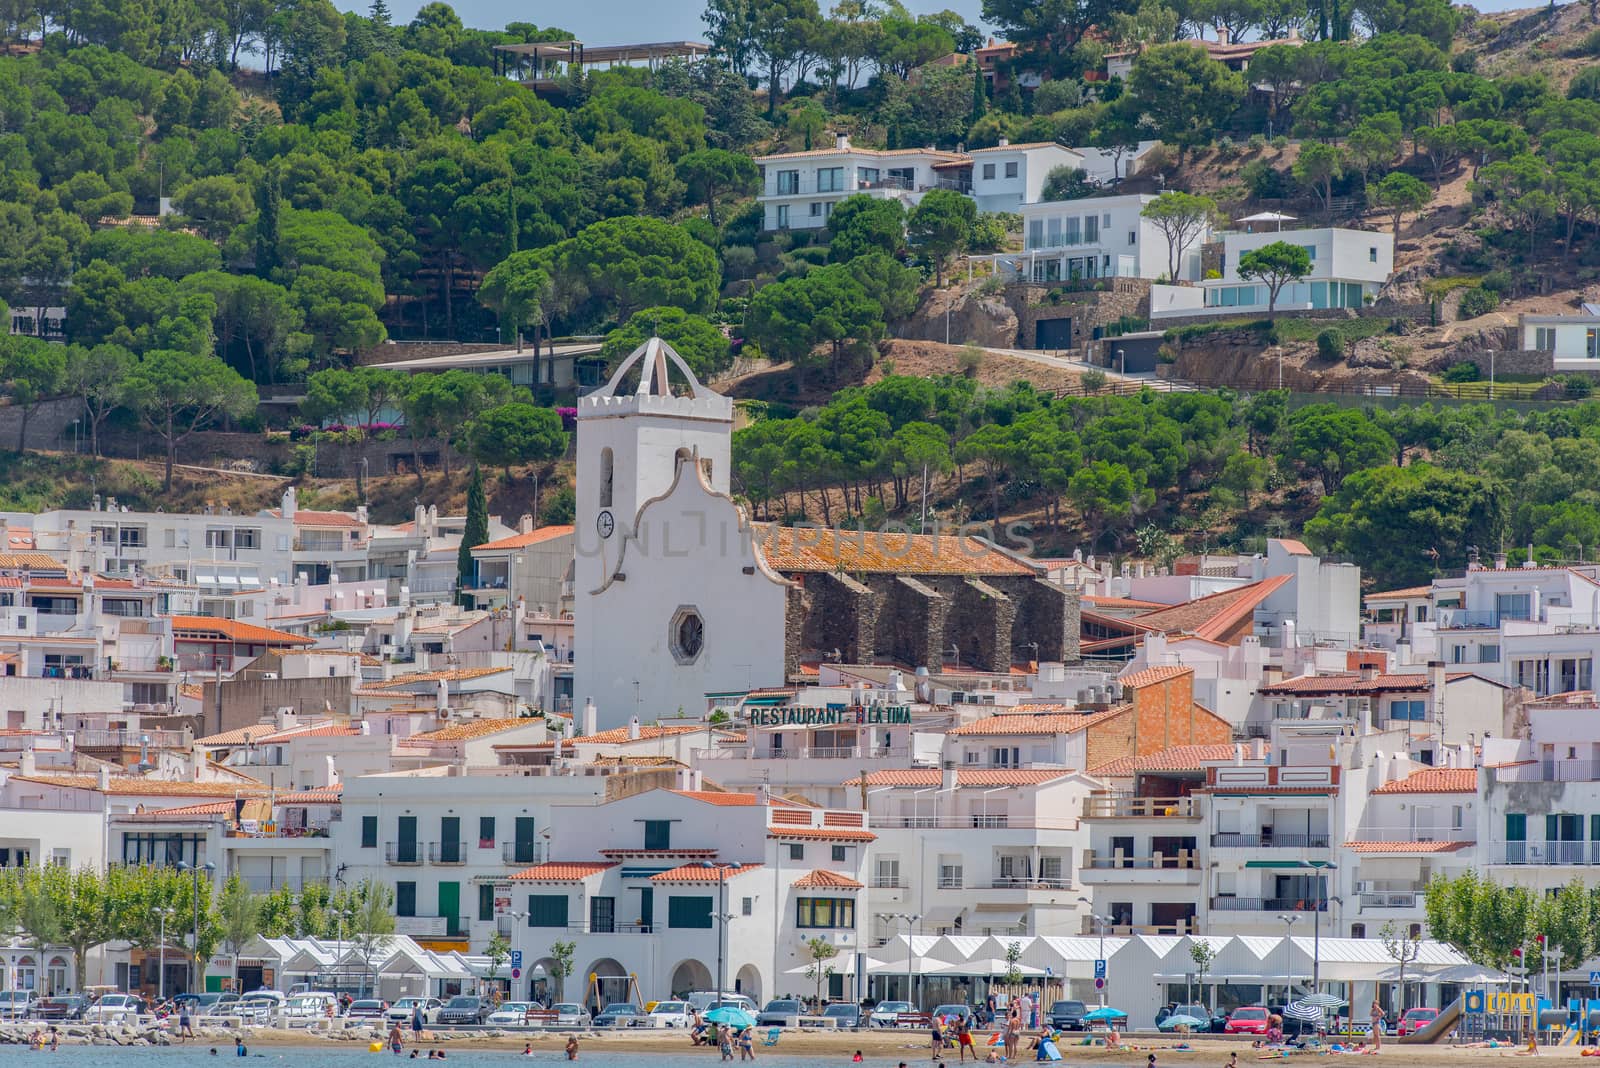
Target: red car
{"points": [[1415, 1020], [1247, 1020]]}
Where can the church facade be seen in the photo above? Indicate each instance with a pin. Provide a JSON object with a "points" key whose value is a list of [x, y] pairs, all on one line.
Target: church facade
{"points": [[679, 595]]}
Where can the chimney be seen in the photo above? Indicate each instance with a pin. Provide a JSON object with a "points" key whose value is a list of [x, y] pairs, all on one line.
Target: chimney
{"points": [[1258, 749], [841, 142], [1238, 754], [105, 778], [633, 728], [1222, 35], [525, 524], [947, 776], [290, 502], [1499, 561], [1004, 142], [590, 716], [361, 514], [365, 728], [1289, 640], [1436, 688], [330, 771], [763, 794], [441, 700], [1368, 672], [26, 764]]}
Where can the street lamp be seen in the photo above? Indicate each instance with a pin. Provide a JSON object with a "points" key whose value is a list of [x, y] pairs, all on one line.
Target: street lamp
{"points": [[1122, 361], [161, 968], [722, 916], [1288, 955], [1100, 922], [910, 918], [194, 870]]}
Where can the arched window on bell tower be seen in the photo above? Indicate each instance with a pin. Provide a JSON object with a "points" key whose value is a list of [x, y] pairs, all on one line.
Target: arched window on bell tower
{"points": [[606, 476]]}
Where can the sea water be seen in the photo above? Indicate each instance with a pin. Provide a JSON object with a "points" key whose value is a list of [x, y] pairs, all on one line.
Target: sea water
{"points": [[197, 1055]]}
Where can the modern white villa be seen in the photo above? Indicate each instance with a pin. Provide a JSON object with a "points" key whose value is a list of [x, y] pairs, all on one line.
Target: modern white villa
{"points": [[1097, 237], [1348, 268], [1573, 341]]}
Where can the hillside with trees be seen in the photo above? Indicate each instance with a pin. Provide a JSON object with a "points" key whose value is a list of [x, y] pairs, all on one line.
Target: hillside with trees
{"points": [[238, 206]]}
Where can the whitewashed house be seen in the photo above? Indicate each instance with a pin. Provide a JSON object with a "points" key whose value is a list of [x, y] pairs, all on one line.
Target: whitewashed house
{"points": [[1348, 268], [1096, 237], [799, 189]]}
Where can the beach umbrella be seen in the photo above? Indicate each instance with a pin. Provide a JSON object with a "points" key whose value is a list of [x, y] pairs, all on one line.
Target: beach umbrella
{"points": [[1323, 1001], [1303, 1011], [1184, 1020], [731, 1015], [1105, 1012]]}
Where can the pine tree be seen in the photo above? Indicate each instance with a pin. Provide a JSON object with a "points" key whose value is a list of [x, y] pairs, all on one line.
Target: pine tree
{"points": [[379, 13], [268, 195], [980, 96], [475, 532]]}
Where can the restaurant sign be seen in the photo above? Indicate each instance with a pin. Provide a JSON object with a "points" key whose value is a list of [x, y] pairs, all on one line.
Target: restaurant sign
{"points": [[832, 715]]}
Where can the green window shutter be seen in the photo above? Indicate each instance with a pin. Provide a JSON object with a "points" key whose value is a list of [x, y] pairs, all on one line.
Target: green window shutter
{"points": [[689, 912], [1516, 827], [547, 910]]}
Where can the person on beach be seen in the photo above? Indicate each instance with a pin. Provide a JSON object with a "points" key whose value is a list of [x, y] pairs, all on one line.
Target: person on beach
{"points": [[396, 1039], [1013, 1032], [572, 1047], [416, 1022], [936, 1032], [857, 1059], [747, 1044], [413, 1053], [725, 1041], [964, 1040], [55, 1040], [527, 1049], [185, 1023], [1378, 1016], [239, 1049]]}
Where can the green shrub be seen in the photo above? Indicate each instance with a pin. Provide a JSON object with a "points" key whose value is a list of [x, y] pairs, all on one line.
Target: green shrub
{"points": [[1330, 346], [1465, 371], [1094, 380], [1280, 142], [1478, 301], [1257, 142], [1579, 386], [1588, 46]]}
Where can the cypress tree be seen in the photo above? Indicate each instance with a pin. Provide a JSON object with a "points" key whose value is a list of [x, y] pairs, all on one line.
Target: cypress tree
{"points": [[475, 532]]}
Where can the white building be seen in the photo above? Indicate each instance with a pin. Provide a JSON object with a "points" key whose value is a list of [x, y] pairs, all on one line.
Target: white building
{"points": [[800, 189], [639, 883], [654, 634], [1007, 176], [1348, 268], [1573, 341], [1097, 237]]}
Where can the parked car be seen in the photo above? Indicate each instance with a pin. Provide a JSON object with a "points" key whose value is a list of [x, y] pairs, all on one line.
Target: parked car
{"points": [[620, 1014], [224, 1004], [1196, 1011], [887, 1013], [464, 1009], [401, 1011], [311, 1005], [1247, 1020], [1067, 1015], [509, 1014], [671, 1014], [781, 1012], [368, 1009], [570, 1014], [17, 1004], [954, 1013], [61, 1007], [703, 1000], [849, 1015], [258, 1008], [1415, 1020], [113, 1008]]}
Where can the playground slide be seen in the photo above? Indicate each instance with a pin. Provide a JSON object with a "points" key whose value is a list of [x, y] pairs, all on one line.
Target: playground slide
{"points": [[1439, 1028]]}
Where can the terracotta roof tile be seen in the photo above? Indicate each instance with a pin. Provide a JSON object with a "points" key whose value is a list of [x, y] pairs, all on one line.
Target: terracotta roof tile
{"points": [[468, 729], [965, 777], [1215, 614], [1152, 675], [1409, 593], [315, 730], [1434, 781], [532, 537], [128, 784], [1405, 847], [1292, 547], [1350, 682], [237, 736], [307, 518], [324, 795], [185, 812], [825, 880], [1025, 722], [561, 871], [699, 873], [791, 549], [211, 627], [452, 675], [619, 735], [1119, 602], [823, 834], [29, 561], [725, 799], [1175, 758]]}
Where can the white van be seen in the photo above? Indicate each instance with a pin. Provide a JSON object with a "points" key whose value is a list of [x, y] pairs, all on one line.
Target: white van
{"points": [[705, 999], [309, 1007]]}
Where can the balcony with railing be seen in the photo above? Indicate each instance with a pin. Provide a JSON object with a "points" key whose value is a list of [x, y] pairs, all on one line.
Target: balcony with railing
{"points": [[1119, 869], [447, 853], [1389, 900], [1030, 882], [266, 884], [1546, 853], [1268, 904], [523, 853], [984, 821], [405, 853], [1269, 841], [1116, 806]]}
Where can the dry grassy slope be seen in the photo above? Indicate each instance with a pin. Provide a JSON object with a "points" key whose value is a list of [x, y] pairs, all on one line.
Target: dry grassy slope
{"points": [[1531, 40]]}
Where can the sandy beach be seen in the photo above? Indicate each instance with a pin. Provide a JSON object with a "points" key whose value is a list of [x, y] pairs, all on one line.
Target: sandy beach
{"points": [[912, 1047]]}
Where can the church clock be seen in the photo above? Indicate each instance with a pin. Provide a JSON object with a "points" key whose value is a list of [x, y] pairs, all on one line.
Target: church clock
{"points": [[605, 523]]}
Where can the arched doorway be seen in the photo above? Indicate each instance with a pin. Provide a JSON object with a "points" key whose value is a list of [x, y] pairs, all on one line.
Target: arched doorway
{"points": [[688, 977], [747, 981], [27, 974], [543, 987], [604, 981], [56, 975]]}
